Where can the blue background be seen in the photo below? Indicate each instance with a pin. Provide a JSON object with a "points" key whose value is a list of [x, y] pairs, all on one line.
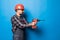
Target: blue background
{"points": [[48, 10]]}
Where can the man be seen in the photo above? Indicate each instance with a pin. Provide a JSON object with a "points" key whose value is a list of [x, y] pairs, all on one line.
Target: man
{"points": [[19, 23]]}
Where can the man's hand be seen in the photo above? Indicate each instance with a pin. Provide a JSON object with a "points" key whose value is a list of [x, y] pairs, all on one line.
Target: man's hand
{"points": [[33, 23]]}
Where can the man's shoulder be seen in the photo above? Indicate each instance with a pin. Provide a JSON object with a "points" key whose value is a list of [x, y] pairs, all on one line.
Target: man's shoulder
{"points": [[13, 16]]}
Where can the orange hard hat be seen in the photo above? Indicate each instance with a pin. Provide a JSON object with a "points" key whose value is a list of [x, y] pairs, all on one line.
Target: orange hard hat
{"points": [[19, 6]]}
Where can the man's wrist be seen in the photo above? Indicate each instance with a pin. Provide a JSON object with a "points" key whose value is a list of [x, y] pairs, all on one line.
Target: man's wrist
{"points": [[30, 24]]}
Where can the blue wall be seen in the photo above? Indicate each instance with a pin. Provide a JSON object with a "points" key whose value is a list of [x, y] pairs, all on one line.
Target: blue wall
{"points": [[48, 10]]}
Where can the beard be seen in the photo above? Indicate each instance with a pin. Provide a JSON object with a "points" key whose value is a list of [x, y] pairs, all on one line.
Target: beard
{"points": [[21, 13]]}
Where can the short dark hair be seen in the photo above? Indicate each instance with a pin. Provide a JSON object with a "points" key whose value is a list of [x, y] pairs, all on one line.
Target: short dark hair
{"points": [[19, 9]]}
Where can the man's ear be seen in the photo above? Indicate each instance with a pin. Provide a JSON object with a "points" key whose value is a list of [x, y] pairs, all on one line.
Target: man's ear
{"points": [[16, 10]]}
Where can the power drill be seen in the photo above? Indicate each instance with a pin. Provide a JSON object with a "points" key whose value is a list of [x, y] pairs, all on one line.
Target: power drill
{"points": [[35, 20]]}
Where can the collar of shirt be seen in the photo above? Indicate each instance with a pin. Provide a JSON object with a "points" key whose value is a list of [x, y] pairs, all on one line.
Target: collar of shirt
{"points": [[20, 17]]}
